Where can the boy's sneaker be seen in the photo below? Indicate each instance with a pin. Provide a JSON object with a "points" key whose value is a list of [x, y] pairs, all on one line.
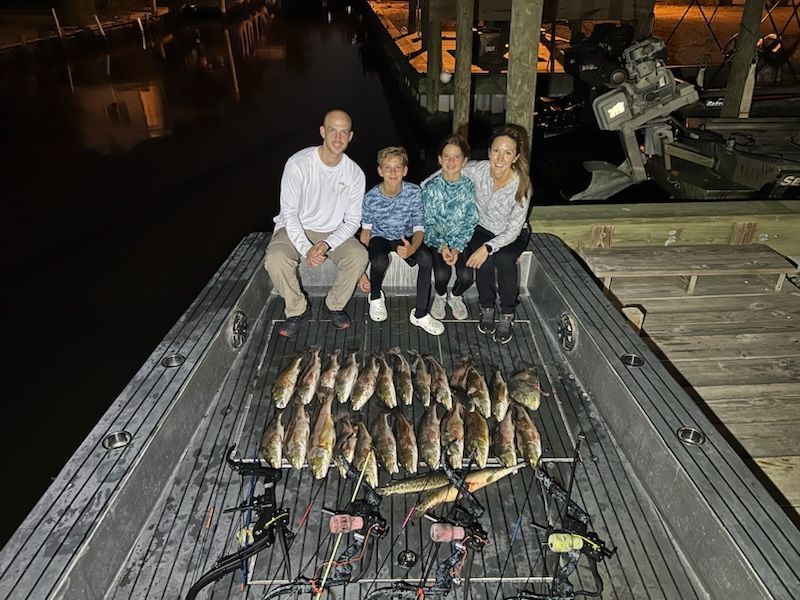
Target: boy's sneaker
{"points": [[377, 308], [486, 323], [292, 325], [502, 332], [339, 318], [438, 306], [428, 323], [458, 307]]}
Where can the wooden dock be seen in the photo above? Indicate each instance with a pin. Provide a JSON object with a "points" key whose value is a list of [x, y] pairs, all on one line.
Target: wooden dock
{"points": [[735, 345]]}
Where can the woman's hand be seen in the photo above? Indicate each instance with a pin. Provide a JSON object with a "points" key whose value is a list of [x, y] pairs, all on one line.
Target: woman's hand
{"points": [[477, 258], [364, 284]]}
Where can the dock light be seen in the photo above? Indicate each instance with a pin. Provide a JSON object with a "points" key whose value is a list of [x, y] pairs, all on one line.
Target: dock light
{"points": [[445, 77]]}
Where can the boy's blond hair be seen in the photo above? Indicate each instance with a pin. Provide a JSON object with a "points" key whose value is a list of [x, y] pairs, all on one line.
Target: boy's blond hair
{"points": [[393, 152]]}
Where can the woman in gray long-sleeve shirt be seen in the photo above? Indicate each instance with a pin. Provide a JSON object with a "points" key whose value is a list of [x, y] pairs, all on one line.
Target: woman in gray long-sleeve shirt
{"points": [[502, 194]]}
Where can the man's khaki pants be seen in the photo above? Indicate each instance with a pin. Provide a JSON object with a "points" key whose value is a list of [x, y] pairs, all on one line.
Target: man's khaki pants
{"points": [[282, 261]]}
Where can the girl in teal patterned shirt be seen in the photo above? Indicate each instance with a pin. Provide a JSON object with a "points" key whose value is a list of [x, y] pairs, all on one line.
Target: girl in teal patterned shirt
{"points": [[450, 220]]}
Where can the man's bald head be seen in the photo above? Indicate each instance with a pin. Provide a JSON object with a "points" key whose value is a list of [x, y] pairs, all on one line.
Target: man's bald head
{"points": [[336, 131]]}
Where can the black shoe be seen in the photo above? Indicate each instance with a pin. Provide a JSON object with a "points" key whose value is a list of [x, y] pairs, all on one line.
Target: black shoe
{"points": [[292, 325], [503, 333], [339, 318], [486, 323]]}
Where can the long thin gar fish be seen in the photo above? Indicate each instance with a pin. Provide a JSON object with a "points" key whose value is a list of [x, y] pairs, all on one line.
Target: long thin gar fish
{"points": [[310, 378], [434, 498], [346, 377], [403, 380], [430, 481], [322, 440], [285, 382], [271, 447]]}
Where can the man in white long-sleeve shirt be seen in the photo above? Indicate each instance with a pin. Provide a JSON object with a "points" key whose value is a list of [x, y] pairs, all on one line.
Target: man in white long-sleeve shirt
{"points": [[321, 194]]}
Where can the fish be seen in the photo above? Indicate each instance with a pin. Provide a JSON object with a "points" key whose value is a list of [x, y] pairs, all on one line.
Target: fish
{"points": [[430, 481], [453, 436], [385, 384], [345, 445], [296, 440], [498, 392], [327, 380], [406, 443], [285, 382], [402, 377], [450, 493], [322, 440], [364, 457], [476, 437], [310, 378], [440, 388], [271, 447], [524, 388], [458, 378], [385, 444], [366, 383], [529, 443], [346, 377], [422, 378], [478, 392], [503, 441], [429, 437]]}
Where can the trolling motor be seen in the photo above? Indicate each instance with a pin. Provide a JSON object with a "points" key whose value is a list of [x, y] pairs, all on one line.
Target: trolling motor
{"points": [[271, 523], [572, 538], [363, 520], [467, 538], [641, 101]]}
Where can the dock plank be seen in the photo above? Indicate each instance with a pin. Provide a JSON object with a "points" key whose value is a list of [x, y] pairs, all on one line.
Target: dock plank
{"points": [[761, 439], [751, 403], [784, 471], [681, 348], [743, 371]]}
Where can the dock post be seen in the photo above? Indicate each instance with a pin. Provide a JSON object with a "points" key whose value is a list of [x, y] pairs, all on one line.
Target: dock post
{"points": [[749, 32], [154, 7], [425, 14], [465, 18], [412, 16], [434, 68], [523, 51]]}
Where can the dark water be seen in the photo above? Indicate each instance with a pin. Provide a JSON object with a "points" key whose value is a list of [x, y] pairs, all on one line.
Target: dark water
{"points": [[123, 193]]}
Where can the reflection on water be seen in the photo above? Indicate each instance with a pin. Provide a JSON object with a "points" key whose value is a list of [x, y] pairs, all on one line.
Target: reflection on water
{"points": [[127, 178]]}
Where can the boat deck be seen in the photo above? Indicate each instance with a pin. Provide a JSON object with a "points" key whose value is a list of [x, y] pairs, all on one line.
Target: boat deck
{"points": [[189, 531]]}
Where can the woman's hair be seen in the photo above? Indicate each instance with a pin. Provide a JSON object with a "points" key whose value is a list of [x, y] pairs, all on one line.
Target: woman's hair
{"points": [[455, 140], [520, 165], [393, 152]]}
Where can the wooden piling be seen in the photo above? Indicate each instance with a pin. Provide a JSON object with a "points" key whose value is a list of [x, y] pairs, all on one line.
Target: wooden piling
{"points": [[412, 15], [465, 17], [523, 47], [434, 66], [749, 32]]}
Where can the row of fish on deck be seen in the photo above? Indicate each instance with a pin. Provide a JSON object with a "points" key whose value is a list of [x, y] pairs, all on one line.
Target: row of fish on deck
{"points": [[462, 433]]}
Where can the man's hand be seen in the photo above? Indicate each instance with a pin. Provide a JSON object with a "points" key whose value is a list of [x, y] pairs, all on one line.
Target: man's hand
{"points": [[318, 254], [406, 249], [364, 284], [477, 258]]}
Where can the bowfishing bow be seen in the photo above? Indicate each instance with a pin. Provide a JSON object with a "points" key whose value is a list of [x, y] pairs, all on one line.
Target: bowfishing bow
{"points": [[572, 539], [463, 530], [270, 523], [362, 519]]}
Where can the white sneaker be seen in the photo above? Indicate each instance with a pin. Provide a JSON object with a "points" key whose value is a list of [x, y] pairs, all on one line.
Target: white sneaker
{"points": [[428, 323], [458, 307], [438, 306], [377, 308]]}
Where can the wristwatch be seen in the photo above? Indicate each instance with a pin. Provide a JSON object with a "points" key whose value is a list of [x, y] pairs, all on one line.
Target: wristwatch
{"points": [[489, 248]]}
